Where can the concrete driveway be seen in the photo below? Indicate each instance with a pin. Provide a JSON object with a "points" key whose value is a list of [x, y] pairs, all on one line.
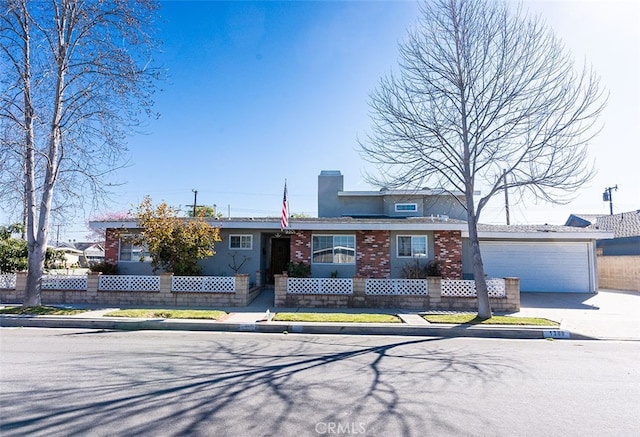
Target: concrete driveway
{"points": [[609, 314]]}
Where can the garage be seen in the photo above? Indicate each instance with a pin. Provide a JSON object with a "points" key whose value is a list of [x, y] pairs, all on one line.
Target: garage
{"points": [[549, 266]]}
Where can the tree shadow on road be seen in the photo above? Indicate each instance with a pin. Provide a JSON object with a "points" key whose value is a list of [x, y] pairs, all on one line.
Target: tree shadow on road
{"points": [[240, 385]]}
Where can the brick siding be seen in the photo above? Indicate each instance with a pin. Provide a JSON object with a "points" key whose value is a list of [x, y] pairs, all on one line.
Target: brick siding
{"points": [[373, 252], [301, 247], [112, 245], [448, 252]]}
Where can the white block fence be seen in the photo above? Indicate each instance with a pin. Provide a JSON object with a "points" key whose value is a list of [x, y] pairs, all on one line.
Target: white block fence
{"points": [[359, 292], [156, 290]]}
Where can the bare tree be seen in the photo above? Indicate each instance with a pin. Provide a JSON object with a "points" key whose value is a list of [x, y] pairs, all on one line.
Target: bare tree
{"points": [[482, 89], [76, 77], [12, 190]]}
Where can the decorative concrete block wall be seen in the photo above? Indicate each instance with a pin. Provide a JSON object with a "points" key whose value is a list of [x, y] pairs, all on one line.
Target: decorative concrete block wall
{"points": [[241, 297], [359, 299], [619, 272]]}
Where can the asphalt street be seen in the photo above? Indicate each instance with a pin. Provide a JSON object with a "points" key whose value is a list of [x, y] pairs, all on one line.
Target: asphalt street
{"points": [[162, 383]]}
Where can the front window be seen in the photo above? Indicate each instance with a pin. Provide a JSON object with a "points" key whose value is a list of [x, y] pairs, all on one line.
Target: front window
{"points": [[242, 242], [132, 252], [406, 207], [410, 246], [334, 249]]}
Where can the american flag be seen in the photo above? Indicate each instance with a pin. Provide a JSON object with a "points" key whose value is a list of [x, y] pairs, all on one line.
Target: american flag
{"points": [[284, 220]]}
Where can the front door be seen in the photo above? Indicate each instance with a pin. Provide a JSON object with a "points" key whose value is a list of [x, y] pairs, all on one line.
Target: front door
{"points": [[280, 257]]}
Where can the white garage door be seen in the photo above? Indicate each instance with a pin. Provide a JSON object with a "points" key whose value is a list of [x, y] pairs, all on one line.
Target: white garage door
{"points": [[548, 266]]}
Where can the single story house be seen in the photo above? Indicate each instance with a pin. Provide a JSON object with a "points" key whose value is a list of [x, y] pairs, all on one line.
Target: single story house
{"points": [[377, 234], [82, 254], [93, 253], [625, 227], [71, 256]]}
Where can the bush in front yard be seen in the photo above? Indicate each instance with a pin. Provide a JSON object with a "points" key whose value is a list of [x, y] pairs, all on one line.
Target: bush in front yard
{"points": [[104, 267]]}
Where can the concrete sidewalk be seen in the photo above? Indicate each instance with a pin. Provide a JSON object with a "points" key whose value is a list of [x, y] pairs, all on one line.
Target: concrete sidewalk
{"points": [[607, 315]]}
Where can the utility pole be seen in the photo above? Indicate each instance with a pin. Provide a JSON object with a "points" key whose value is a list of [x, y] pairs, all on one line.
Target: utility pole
{"points": [[195, 202], [58, 235], [506, 196], [607, 197]]}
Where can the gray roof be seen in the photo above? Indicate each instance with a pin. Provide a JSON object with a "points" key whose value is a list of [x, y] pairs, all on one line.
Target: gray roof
{"points": [[624, 224], [397, 224], [534, 228]]}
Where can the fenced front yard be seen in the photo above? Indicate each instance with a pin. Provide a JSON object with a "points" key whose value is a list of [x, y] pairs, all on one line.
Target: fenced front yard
{"points": [[163, 289], [430, 293], [8, 281], [234, 291]]}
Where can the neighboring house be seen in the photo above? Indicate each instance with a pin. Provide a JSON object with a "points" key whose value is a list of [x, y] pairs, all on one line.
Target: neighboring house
{"points": [[83, 254], [625, 227], [93, 253], [581, 220], [618, 258], [377, 233], [71, 255]]}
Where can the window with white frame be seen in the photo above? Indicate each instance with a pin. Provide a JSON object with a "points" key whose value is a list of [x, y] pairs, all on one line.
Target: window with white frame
{"points": [[334, 249], [409, 246], [406, 207], [132, 252], [241, 242]]}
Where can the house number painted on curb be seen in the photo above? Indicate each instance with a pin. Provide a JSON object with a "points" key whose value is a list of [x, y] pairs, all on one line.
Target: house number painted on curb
{"points": [[556, 334]]}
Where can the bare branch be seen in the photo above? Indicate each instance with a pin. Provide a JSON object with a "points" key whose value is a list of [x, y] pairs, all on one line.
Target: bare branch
{"points": [[76, 80], [484, 89]]}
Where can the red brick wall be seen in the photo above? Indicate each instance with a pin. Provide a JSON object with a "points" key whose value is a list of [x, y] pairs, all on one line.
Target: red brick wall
{"points": [[448, 252], [301, 247], [112, 245], [373, 253]]}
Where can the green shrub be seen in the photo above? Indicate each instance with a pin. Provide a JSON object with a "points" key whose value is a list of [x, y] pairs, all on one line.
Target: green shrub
{"points": [[299, 270], [104, 267], [418, 271]]}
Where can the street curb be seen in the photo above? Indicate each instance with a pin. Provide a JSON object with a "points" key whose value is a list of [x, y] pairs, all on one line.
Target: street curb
{"points": [[446, 331]]}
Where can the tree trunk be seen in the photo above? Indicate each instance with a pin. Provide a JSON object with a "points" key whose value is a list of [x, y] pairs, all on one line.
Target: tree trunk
{"points": [[35, 265], [484, 307], [38, 237], [37, 251]]}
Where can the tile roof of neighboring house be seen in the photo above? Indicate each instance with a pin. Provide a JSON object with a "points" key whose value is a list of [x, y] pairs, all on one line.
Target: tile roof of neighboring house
{"points": [[624, 224]]}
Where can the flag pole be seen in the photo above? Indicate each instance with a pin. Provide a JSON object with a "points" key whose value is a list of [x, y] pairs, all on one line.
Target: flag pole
{"points": [[284, 217]]}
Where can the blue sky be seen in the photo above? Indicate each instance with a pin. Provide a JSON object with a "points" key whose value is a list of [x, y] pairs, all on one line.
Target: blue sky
{"points": [[262, 91]]}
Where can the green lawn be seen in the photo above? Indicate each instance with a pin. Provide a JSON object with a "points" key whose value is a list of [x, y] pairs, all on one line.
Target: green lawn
{"points": [[41, 310], [472, 319], [168, 314], [337, 317]]}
